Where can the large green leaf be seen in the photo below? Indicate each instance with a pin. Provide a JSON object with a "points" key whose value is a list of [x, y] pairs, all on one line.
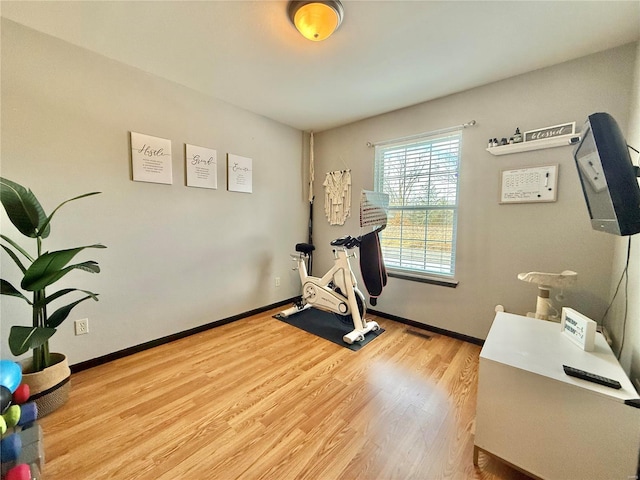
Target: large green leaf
{"points": [[23, 339], [60, 293], [23, 208], [47, 221], [60, 315], [17, 247], [51, 266], [15, 258], [7, 289]]}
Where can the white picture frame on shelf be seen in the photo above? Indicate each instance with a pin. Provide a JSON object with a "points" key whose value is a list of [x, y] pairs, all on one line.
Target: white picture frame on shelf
{"points": [[545, 133], [151, 159]]}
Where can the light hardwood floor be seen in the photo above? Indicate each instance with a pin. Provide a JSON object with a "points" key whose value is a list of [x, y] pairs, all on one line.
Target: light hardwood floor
{"points": [[259, 399]]}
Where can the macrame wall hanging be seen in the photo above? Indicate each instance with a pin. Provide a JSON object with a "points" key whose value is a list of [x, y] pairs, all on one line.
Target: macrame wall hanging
{"points": [[337, 196]]}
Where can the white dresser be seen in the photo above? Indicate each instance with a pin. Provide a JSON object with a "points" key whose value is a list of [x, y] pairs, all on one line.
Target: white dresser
{"points": [[533, 416]]}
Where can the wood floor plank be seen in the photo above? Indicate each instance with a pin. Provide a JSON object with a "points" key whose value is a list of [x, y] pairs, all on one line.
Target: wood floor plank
{"points": [[260, 399]]}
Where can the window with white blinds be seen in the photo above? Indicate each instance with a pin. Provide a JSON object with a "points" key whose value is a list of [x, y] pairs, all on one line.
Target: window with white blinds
{"points": [[421, 178]]}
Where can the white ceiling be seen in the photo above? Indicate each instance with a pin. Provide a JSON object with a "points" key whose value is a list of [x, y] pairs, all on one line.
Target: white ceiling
{"points": [[386, 54]]}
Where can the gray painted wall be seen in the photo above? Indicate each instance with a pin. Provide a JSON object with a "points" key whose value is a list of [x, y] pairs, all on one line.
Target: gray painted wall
{"points": [[181, 257], [630, 357], [178, 257], [495, 242]]}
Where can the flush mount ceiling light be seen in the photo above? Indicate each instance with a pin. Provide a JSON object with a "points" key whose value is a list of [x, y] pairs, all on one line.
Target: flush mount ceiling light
{"points": [[316, 20]]}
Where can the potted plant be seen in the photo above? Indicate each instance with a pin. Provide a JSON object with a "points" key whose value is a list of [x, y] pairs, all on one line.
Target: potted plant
{"points": [[47, 373]]}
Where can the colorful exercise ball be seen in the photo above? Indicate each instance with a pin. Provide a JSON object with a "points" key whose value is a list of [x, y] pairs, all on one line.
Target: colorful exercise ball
{"points": [[21, 394], [12, 415], [10, 374], [5, 398]]}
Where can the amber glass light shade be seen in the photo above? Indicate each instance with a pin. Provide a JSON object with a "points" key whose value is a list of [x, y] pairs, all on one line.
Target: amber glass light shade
{"points": [[316, 20]]}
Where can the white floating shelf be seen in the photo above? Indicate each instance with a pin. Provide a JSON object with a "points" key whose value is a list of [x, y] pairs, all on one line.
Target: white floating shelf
{"points": [[560, 141]]}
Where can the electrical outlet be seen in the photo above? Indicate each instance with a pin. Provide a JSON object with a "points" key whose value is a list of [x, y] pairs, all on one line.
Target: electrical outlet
{"points": [[82, 326], [277, 281]]}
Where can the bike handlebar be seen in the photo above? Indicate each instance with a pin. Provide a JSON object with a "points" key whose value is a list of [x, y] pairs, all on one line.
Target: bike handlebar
{"points": [[347, 242]]}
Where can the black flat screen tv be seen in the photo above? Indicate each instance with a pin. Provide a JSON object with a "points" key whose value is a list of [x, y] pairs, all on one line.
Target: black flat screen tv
{"points": [[608, 177]]}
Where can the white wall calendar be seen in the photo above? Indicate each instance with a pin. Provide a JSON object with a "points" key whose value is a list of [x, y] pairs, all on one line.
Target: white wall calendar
{"points": [[530, 184]]}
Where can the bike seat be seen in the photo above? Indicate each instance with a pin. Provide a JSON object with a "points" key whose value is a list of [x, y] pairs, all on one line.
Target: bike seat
{"points": [[305, 248]]}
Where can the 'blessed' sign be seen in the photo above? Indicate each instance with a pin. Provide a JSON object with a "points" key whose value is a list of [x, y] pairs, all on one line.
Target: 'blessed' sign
{"points": [[549, 132]]}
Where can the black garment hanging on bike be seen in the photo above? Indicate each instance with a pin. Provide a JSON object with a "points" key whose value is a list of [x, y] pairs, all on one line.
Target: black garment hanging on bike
{"points": [[372, 267]]}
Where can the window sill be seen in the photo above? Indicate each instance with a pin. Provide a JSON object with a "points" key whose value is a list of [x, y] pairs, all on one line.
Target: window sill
{"points": [[443, 282]]}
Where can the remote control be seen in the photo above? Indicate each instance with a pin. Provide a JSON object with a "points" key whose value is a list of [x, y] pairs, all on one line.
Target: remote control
{"points": [[634, 402], [591, 377]]}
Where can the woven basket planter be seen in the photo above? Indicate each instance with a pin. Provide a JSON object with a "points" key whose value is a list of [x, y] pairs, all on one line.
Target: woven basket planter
{"points": [[50, 387]]}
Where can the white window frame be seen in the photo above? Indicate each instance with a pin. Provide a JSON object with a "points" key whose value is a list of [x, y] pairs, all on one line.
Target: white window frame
{"points": [[432, 153]]}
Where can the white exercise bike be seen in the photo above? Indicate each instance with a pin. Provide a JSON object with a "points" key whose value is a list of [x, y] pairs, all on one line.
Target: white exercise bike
{"points": [[336, 292]]}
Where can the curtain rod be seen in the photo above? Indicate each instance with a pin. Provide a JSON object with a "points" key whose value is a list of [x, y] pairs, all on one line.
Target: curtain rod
{"points": [[419, 135]]}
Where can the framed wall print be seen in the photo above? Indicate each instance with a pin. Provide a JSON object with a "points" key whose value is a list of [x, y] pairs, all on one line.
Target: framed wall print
{"points": [[202, 167], [531, 184], [151, 159], [239, 174]]}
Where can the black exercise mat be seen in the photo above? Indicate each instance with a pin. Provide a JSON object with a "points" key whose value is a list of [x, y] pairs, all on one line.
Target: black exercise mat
{"points": [[328, 326]]}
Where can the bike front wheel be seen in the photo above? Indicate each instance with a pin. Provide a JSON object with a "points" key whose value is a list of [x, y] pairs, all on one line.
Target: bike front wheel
{"points": [[362, 308]]}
